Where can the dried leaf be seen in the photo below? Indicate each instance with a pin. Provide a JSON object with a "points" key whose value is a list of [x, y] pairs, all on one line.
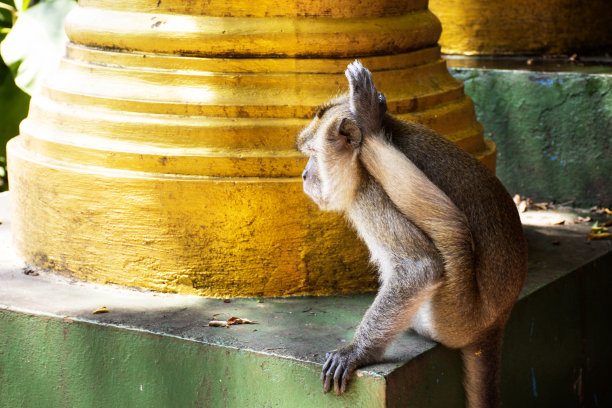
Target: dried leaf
{"points": [[522, 207], [600, 235], [227, 323], [516, 199], [598, 230], [102, 309], [238, 320], [29, 271], [541, 206], [607, 224], [560, 222], [218, 323], [601, 210], [582, 219]]}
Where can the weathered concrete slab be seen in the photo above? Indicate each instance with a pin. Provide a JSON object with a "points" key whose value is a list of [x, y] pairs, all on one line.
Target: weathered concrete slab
{"points": [[551, 122], [155, 350]]}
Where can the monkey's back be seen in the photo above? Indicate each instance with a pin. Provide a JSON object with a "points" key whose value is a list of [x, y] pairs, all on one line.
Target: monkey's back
{"points": [[500, 247]]}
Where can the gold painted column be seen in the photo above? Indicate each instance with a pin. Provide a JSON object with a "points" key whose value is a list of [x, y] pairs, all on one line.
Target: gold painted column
{"points": [[502, 27], [162, 153]]}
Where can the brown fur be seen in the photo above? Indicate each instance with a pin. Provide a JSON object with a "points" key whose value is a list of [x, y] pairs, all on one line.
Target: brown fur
{"points": [[442, 229]]}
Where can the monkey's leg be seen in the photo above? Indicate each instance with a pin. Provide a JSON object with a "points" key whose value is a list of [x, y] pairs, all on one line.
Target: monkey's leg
{"points": [[391, 312], [482, 365]]}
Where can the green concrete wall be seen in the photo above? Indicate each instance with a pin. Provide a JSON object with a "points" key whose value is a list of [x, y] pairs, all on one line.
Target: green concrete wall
{"points": [[553, 131], [49, 362]]}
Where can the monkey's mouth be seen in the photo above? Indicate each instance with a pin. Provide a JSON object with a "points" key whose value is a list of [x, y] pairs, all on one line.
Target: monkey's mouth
{"points": [[315, 195]]}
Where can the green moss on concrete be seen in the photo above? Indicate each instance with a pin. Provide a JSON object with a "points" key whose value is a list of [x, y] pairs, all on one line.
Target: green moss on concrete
{"points": [[48, 362], [553, 131]]}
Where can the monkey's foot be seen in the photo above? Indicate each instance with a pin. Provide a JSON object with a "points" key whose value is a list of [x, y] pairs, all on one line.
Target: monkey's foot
{"points": [[338, 368]]}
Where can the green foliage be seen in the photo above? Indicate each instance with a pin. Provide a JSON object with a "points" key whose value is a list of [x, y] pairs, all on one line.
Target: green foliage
{"points": [[36, 42], [32, 42], [14, 107]]}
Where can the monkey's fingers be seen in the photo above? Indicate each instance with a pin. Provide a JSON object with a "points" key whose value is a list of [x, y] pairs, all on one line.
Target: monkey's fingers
{"points": [[345, 377], [360, 79], [325, 368], [338, 378], [328, 378]]}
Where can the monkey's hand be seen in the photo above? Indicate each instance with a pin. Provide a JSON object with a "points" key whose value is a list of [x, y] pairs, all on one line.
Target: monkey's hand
{"points": [[339, 366], [366, 103]]}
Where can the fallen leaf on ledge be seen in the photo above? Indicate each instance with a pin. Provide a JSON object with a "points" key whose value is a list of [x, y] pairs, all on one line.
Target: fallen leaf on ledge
{"points": [[599, 235], [237, 320], [218, 323], [601, 210], [227, 323], [102, 309]]}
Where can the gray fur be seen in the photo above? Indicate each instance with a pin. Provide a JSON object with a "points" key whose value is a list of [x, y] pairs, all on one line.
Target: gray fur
{"points": [[443, 231]]}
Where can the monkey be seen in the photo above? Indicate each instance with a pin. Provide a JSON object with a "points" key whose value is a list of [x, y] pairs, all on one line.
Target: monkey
{"points": [[442, 230]]}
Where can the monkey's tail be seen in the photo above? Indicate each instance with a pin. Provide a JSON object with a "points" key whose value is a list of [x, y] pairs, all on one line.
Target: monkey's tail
{"points": [[482, 370]]}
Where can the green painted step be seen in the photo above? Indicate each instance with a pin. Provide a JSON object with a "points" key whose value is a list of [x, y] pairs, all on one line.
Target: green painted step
{"points": [[155, 350]]}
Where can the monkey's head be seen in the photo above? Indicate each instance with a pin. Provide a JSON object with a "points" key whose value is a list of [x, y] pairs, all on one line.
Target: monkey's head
{"points": [[332, 141]]}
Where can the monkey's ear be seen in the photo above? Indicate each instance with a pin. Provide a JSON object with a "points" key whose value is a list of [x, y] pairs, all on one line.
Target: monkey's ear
{"points": [[349, 133]]}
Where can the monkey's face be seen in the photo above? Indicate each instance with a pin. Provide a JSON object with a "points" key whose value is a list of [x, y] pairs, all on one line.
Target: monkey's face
{"points": [[331, 141]]}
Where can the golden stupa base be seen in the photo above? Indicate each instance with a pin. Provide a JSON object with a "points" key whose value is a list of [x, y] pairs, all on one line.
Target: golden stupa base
{"points": [[162, 153]]}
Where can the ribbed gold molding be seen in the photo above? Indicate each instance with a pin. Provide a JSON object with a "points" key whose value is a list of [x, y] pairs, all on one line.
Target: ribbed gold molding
{"points": [[162, 153], [483, 27]]}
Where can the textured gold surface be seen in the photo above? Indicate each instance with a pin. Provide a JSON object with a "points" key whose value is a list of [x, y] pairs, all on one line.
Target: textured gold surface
{"points": [[483, 27], [162, 153]]}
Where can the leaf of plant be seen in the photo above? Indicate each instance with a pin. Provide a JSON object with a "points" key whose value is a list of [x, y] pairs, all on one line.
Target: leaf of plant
{"points": [[6, 15], [34, 46], [21, 5], [14, 107]]}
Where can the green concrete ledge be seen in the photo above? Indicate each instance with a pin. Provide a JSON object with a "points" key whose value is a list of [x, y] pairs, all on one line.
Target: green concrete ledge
{"points": [[154, 350], [551, 121]]}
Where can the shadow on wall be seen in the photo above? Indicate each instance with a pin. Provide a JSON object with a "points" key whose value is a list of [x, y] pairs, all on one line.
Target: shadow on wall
{"points": [[553, 131]]}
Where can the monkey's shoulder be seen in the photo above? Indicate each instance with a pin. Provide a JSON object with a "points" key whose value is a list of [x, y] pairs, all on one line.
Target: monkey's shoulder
{"points": [[470, 185]]}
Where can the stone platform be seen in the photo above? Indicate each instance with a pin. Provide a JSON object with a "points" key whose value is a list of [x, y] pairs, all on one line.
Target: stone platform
{"points": [[156, 350]]}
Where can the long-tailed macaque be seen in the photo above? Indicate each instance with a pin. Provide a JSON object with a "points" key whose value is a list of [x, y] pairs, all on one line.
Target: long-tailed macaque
{"points": [[443, 231]]}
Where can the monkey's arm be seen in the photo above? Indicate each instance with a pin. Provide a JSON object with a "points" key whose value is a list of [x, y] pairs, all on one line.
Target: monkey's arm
{"points": [[422, 202], [391, 312]]}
